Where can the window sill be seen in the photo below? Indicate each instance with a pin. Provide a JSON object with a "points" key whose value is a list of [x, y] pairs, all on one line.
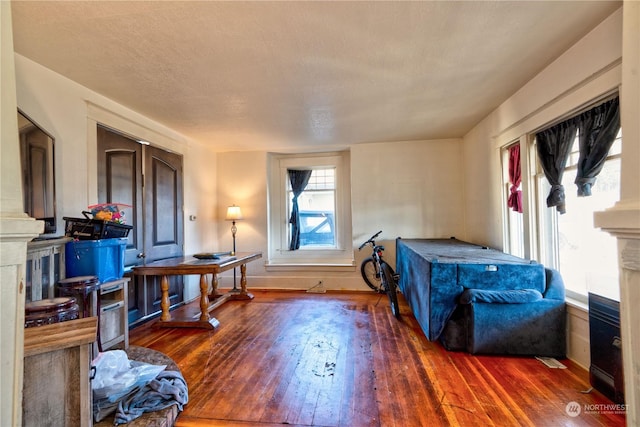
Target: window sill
{"points": [[581, 302], [309, 267], [576, 305]]}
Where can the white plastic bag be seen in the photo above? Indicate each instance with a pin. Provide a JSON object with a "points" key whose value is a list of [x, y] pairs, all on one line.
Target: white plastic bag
{"points": [[109, 365], [116, 375]]}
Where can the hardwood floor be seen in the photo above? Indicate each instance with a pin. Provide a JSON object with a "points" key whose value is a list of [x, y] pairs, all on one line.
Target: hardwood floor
{"points": [[341, 359]]}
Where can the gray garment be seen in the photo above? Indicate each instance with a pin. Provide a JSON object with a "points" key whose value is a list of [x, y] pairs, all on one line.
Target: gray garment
{"points": [[168, 388]]}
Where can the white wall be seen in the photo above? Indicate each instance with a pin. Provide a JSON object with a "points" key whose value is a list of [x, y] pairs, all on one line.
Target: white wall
{"points": [[69, 112], [591, 68], [406, 189], [241, 178]]}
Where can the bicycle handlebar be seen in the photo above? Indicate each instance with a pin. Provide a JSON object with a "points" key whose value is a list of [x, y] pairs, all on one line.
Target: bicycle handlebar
{"points": [[370, 240]]}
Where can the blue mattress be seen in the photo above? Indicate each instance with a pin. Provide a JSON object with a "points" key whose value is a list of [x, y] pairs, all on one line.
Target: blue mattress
{"points": [[434, 272]]}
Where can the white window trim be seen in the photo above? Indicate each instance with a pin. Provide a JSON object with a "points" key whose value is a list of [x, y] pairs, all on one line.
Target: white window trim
{"points": [[279, 254]]}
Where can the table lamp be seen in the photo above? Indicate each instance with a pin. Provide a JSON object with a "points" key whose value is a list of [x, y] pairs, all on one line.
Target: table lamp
{"points": [[234, 214]]}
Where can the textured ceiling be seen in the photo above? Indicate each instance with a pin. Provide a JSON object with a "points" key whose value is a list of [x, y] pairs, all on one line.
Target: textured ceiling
{"points": [[304, 75]]}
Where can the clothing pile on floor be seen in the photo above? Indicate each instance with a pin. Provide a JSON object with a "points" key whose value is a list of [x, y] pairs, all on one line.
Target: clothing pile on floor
{"points": [[130, 388]]}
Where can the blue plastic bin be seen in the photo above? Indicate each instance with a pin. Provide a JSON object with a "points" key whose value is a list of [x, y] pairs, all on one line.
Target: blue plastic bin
{"points": [[103, 258]]}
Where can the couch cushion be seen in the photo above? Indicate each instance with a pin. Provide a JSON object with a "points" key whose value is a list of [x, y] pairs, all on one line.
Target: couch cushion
{"points": [[514, 296]]}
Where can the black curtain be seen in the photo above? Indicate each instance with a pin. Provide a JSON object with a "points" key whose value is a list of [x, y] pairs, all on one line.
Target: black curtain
{"points": [[299, 180], [553, 146], [598, 129]]}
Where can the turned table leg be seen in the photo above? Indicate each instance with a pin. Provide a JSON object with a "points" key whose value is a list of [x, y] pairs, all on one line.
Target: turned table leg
{"points": [[204, 299], [215, 293], [164, 302], [243, 284]]}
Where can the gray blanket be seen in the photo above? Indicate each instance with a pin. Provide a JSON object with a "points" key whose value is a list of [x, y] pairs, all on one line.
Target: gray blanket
{"points": [[168, 388]]}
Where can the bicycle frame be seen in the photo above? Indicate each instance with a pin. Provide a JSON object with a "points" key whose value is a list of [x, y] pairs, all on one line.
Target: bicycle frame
{"points": [[377, 254], [383, 272], [377, 250]]}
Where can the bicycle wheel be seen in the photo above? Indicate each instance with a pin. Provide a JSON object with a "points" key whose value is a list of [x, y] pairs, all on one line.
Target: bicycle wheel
{"points": [[371, 275], [390, 286]]}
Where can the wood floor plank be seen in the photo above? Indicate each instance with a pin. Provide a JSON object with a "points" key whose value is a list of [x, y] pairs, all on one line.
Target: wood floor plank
{"points": [[341, 359], [491, 400], [358, 406]]}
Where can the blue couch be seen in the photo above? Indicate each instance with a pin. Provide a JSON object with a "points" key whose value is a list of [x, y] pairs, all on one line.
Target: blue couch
{"points": [[482, 300]]}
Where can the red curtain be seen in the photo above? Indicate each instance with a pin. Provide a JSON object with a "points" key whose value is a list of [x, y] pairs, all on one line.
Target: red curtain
{"points": [[515, 177]]}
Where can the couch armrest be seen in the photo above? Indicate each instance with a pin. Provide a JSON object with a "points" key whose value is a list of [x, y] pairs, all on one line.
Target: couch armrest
{"points": [[534, 329], [554, 285]]}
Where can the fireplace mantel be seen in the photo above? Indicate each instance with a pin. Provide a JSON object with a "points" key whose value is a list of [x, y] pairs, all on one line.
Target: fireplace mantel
{"points": [[623, 222]]}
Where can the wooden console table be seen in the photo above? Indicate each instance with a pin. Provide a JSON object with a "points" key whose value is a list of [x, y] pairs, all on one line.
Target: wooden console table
{"points": [[189, 265]]}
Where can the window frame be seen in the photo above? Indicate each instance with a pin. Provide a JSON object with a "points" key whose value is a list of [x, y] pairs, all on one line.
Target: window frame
{"points": [[307, 191], [279, 254], [537, 217], [513, 221], [548, 233]]}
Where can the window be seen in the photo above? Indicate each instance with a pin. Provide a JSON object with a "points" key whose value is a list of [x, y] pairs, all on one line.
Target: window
{"points": [[324, 207], [317, 207], [514, 225], [586, 256]]}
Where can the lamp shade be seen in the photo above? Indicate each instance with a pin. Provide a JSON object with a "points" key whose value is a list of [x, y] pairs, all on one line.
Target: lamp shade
{"points": [[233, 213]]}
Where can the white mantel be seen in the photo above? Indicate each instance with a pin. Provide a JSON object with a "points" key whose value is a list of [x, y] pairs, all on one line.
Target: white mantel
{"points": [[623, 222]]}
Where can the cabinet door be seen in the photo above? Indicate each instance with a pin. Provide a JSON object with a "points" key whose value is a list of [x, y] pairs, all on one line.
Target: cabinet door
{"points": [[44, 268], [150, 180], [39, 279]]}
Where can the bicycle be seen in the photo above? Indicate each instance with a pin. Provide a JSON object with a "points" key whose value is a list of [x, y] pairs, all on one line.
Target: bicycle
{"points": [[379, 275]]}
